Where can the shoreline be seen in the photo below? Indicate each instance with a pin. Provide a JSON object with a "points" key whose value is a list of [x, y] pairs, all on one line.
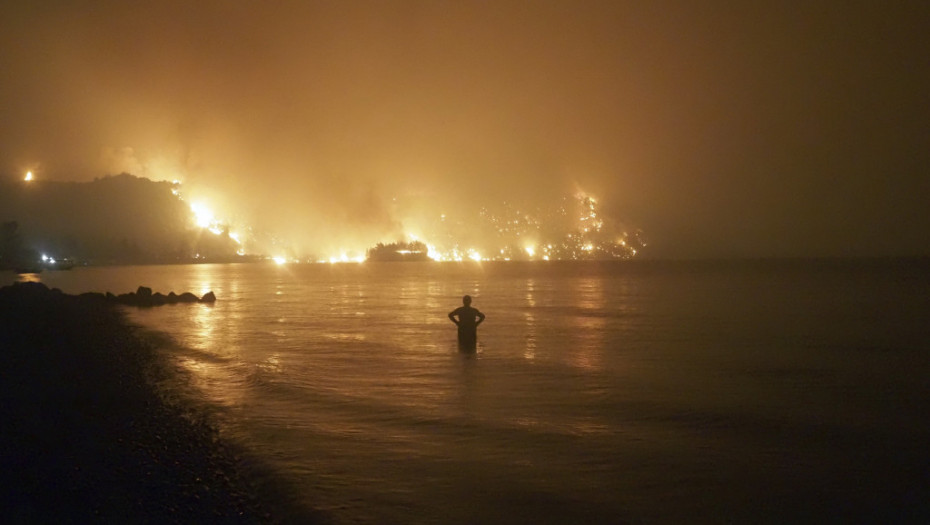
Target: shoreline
{"points": [[88, 436]]}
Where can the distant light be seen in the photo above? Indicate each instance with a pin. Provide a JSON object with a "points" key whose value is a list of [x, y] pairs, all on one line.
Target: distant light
{"points": [[343, 258], [29, 176], [531, 251], [279, 260]]}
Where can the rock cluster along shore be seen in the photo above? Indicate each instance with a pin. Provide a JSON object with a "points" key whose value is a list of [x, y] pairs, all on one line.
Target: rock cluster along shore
{"points": [[92, 434], [143, 296]]}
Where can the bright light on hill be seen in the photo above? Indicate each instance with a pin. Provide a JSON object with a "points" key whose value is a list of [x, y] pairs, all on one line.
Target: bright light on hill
{"points": [[203, 216]]}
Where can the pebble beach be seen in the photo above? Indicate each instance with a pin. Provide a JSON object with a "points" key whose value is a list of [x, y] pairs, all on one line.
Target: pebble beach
{"points": [[88, 435]]}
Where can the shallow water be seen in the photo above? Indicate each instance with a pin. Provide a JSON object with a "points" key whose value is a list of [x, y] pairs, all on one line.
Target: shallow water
{"points": [[599, 392]]}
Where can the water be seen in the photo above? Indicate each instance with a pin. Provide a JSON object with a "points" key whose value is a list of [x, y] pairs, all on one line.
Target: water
{"points": [[599, 392]]}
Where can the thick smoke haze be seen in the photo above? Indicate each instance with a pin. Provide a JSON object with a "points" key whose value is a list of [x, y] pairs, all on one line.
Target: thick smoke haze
{"points": [[718, 128]]}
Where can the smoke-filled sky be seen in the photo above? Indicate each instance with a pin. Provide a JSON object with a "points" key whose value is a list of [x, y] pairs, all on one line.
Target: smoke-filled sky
{"points": [[720, 128]]}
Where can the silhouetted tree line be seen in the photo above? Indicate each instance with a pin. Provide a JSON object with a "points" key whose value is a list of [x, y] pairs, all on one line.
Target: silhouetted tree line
{"points": [[14, 255], [398, 251], [119, 219]]}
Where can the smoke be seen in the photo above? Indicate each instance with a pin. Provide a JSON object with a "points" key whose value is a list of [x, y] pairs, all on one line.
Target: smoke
{"points": [[332, 126], [339, 124]]}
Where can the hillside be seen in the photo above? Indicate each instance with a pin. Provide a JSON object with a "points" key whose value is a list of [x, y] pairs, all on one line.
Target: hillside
{"points": [[118, 219]]}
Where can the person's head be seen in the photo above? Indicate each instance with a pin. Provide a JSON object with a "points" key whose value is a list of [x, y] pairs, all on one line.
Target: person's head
{"points": [[466, 300]]}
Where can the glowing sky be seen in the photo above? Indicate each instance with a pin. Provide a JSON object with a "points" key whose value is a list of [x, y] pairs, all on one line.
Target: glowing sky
{"points": [[719, 128]]}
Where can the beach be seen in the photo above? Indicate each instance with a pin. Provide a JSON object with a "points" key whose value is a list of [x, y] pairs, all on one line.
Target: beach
{"points": [[88, 435], [693, 392]]}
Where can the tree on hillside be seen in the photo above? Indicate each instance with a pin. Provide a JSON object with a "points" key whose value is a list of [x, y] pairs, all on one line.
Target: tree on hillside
{"points": [[13, 252]]}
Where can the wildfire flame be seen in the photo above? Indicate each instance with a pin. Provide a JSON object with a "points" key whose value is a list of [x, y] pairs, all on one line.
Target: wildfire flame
{"points": [[574, 230], [571, 230], [203, 216]]}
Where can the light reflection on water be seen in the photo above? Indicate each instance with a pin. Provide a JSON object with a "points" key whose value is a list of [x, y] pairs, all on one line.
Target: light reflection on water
{"points": [[589, 324], [28, 278], [366, 366], [530, 352], [597, 393]]}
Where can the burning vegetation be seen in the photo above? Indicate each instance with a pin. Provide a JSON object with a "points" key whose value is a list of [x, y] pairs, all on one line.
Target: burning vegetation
{"points": [[125, 219], [572, 230]]}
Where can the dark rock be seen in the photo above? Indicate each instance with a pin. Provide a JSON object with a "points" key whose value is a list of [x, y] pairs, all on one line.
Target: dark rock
{"points": [[26, 291], [93, 296], [187, 297], [143, 297]]}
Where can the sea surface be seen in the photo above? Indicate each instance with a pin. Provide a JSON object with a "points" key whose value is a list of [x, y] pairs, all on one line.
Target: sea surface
{"points": [[620, 392]]}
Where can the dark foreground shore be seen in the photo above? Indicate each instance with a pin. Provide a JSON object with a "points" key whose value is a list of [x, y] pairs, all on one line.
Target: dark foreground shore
{"points": [[88, 437]]}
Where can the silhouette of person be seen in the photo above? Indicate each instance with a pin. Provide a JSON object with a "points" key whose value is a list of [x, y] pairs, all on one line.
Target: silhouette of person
{"points": [[467, 319]]}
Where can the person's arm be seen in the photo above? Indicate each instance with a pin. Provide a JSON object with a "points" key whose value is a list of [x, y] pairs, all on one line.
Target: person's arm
{"points": [[480, 318], [452, 317]]}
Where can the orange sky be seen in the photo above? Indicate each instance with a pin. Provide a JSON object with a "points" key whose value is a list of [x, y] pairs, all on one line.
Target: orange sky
{"points": [[719, 128]]}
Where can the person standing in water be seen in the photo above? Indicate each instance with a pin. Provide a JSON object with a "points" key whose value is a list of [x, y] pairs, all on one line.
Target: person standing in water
{"points": [[467, 319]]}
